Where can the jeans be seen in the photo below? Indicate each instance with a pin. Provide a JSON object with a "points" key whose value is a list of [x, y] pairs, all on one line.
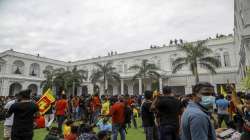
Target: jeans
{"points": [[168, 132], [133, 118], [95, 115], [149, 132], [118, 128], [60, 120]]}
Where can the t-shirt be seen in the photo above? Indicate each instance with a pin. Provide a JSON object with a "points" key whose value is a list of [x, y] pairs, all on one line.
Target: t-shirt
{"points": [[222, 106], [169, 109], [23, 117], [105, 108], [118, 113], [71, 137], [9, 121], [146, 114], [61, 106], [66, 130]]}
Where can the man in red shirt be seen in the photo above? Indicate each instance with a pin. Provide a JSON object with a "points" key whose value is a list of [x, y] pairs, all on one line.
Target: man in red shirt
{"points": [[95, 108], [61, 107], [117, 111]]}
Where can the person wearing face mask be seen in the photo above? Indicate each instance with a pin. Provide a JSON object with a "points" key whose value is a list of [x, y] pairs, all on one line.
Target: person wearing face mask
{"points": [[244, 110], [195, 121]]}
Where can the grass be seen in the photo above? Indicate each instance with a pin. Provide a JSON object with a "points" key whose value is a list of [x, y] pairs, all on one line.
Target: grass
{"points": [[133, 134]]}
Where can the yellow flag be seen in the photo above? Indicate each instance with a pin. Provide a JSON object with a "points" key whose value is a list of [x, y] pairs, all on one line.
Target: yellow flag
{"points": [[45, 101], [222, 91]]}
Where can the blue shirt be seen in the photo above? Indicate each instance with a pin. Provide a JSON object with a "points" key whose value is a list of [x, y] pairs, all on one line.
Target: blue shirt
{"points": [[222, 105], [196, 124]]}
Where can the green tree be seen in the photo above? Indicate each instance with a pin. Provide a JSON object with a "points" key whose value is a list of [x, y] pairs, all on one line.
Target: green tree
{"points": [[104, 72], [196, 55], [66, 80], [246, 81], [145, 70], [49, 75], [69, 80]]}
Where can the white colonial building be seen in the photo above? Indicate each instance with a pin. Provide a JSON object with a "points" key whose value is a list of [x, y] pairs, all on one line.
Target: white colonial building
{"points": [[242, 33], [20, 71]]}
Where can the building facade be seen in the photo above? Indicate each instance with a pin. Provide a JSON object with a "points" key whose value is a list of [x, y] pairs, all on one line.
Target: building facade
{"points": [[242, 33], [20, 71]]}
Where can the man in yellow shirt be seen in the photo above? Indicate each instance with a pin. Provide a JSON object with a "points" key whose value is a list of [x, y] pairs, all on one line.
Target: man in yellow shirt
{"points": [[105, 106]]}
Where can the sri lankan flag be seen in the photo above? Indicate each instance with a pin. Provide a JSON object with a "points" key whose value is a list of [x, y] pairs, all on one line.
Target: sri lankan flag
{"points": [[44, 103]]}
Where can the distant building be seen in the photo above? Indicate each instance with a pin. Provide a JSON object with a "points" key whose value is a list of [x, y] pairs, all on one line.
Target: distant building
{"points": [[20, 71], [242, 33]]}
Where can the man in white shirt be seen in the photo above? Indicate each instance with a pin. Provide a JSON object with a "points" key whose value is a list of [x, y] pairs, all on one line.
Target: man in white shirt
{"points": [[9, 121]]}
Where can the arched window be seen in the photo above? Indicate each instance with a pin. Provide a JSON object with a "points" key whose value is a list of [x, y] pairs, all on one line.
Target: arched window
{"points": [[217, 56], [35, 69], [226, 59], [18, 67], [15, 88]]}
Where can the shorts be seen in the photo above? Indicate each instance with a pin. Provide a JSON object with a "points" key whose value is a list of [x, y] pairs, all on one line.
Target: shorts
{"points": [[7, 132]]}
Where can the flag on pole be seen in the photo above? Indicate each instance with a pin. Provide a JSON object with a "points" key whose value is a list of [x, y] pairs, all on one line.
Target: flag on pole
{"points": [[44, 103], [222, 91]]}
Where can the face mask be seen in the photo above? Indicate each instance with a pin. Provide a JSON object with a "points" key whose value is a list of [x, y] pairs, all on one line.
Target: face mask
{"points": [[207, 101]]}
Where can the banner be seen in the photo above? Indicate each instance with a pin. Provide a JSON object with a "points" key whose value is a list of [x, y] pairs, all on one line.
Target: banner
{"points": [[44, 103]]}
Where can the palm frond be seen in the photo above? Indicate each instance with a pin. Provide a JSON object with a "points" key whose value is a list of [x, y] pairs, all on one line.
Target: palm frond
{"points": [[208, 67], [154, 74], [178, 67], [211, 60], [179, 60], [134, 67]]}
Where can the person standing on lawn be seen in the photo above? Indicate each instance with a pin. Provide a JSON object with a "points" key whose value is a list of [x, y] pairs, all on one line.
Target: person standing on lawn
{"points": [[196, 119], [24, 112], [9, 121], [168, 110], [117, 112], [147, 116], [61, 107]]}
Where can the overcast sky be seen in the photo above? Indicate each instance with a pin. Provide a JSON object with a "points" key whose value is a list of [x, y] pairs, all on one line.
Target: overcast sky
{"points": [[79, 29]]}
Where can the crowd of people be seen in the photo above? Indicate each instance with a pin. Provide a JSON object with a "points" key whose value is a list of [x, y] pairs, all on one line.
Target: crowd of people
{"points": [[201, 115]]}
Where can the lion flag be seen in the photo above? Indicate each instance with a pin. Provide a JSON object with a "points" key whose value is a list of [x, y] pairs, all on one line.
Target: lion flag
{"points": [[44, 103]]}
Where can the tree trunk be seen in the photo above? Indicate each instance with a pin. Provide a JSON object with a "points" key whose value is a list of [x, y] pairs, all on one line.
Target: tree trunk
{"points": [[104, 85], [196, 74]]}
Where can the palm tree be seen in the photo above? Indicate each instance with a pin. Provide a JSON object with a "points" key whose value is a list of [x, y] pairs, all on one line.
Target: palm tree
{"points": [[49, 78], [196, 55], [145, 70], [76, 77], [104, 72], [68, 80], [62, 79]]}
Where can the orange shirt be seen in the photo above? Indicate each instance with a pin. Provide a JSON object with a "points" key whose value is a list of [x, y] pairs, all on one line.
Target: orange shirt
{"points": [[95, 103], [61, 106], [117, 113]]}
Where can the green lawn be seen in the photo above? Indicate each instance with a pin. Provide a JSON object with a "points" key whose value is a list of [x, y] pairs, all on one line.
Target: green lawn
{"points": [[39, 134]]}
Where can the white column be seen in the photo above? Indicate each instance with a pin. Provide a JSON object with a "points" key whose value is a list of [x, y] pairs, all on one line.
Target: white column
{"points": [[222, 59], [90, 89], [6, 88], [140, 86], [122, 87], [160, 84], [106, 85], [130, 88]]}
